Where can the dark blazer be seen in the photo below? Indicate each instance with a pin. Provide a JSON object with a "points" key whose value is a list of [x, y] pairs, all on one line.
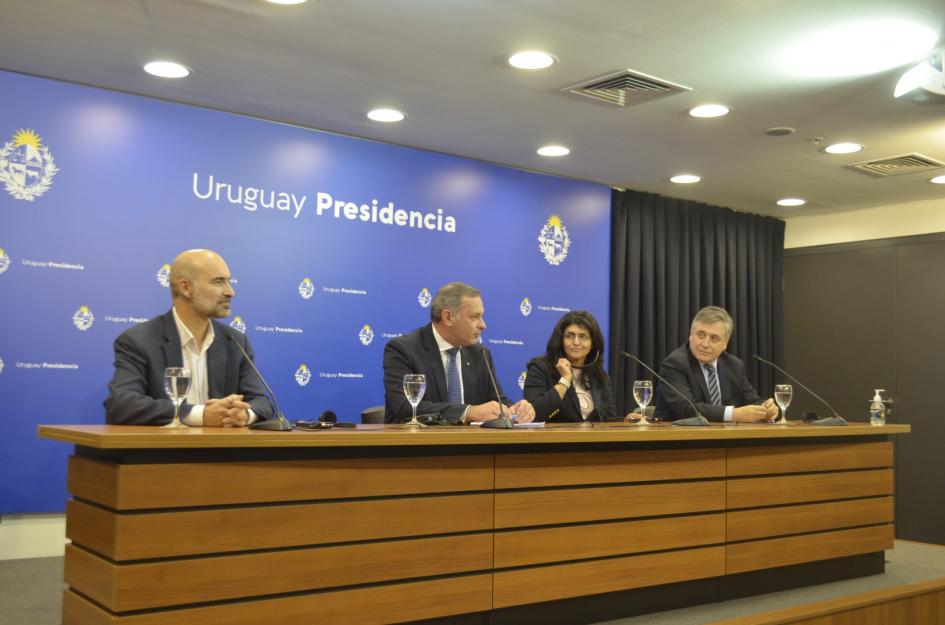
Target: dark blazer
{"points": [[417, 352], [683, 371], [549, 406], [136, 392]]}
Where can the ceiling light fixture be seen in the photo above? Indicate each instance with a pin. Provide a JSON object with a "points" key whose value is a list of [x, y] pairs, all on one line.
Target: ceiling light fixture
{"points": [[710, 110], [287, 1], [925, 81], [938, 180], [857, 48], [553, 150], [791, 201], [843, 148], [167, 69], [387, 116], [685, 179], [532, 59]]}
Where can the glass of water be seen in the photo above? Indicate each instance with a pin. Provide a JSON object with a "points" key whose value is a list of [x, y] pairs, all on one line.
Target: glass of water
{"points": [[782, 397], [176, 384], [642, 394], [414, 386]]}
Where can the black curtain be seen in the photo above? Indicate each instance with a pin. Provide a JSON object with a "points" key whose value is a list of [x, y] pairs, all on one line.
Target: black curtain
{"points": [[669, 258]]}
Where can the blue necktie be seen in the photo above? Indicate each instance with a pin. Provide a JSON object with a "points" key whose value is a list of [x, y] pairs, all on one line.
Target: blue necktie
{"points": [[453, 384], [714, 394]]}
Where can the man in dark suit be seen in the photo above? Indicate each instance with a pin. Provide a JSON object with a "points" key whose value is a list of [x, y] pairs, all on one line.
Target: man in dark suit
{"points": [[224, 390], [446, 350], [711, 378]]}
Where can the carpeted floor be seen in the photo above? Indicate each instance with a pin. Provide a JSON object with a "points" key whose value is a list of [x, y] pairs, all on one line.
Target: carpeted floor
{"points": [[31, 590]]}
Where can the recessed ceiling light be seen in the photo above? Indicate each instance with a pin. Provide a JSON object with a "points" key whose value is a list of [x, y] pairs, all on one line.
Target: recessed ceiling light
{"points": [[553, 150], [685, 179], [386, 115], [938, 180], [167, 69], [287, 1], [843, 148], [857, 48], [792, 201], [532, 59], [710, 110]]}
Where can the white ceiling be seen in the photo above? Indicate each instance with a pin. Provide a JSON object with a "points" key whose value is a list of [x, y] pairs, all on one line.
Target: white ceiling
{"points": [[325, 63]]}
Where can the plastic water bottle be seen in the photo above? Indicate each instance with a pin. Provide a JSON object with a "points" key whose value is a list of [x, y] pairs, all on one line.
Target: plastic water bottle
{"points": [[878, 408]]}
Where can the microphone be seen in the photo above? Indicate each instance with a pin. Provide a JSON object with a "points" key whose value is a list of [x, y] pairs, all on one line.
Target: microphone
{"points": [[698, 419], [826, 421], [279, 424], [502, 422]]}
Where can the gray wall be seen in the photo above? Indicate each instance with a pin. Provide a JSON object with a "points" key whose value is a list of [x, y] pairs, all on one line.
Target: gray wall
{"points": [[864, 315]]}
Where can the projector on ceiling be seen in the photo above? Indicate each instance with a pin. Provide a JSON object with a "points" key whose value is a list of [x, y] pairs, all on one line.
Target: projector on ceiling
{"points": [[924, 83]]}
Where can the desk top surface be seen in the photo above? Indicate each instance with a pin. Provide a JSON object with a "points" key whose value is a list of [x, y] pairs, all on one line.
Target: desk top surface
{"points": [[150, 437]]}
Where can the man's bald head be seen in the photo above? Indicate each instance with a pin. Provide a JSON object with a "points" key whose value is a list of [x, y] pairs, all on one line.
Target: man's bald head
{"points": [[200, 280]]}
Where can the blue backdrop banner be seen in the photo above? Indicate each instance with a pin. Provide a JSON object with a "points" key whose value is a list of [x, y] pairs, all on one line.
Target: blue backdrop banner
{"points": [[335, 245]]}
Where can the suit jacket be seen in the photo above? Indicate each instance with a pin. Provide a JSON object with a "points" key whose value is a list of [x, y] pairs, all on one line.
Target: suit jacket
{"points": [[683, 371], [136, 392], [549, 406], [417, 352]]}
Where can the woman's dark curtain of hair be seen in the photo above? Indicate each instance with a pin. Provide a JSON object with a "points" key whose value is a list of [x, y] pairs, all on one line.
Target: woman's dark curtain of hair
{"points": [[669, 258]]}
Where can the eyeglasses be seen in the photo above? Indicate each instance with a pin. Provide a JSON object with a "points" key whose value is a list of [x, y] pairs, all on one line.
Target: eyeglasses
{"points": [[577, 338]]}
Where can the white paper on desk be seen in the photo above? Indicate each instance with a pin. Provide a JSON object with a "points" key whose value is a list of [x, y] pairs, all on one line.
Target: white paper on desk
{"points": [[533, 424]]}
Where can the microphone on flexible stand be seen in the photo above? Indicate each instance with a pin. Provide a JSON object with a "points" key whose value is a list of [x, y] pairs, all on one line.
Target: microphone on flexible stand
{"points": [[502, 422], [697, 419], [836, 419], [279, 424]]}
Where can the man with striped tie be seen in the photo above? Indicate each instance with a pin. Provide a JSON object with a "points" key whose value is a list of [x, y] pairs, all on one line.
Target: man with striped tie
{"points": [[713, 379]]}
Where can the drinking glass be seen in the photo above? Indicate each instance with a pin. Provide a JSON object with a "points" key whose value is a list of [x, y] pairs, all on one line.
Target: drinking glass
{"points": [[414, 386], [782, 397], [643, 393], [176, 384]]}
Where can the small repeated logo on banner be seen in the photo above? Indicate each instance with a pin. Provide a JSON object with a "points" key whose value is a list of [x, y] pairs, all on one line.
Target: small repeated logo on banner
{"points": [[525, 307], [4, 260], [303, 374], [238, 324], [424, 297], [26, 166], [164, 275], [306, 288], [83, 318], [521, 380], [553, 241], [366, 335]]}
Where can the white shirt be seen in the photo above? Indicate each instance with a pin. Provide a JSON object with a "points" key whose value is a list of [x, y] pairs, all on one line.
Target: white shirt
{"points": [[715, 365], [585, 399], [194, 357]]}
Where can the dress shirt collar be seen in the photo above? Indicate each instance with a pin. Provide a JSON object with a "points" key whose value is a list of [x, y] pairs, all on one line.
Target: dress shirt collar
{"points": [[442, 344], [187, 339]]}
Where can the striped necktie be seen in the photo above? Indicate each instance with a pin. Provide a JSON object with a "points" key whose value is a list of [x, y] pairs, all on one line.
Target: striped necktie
{"points": [[714, 394], [453, 385]]}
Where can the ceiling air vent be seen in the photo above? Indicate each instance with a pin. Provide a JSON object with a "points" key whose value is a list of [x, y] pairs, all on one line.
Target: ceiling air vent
{"points": [[625, 88], [898, 165]]}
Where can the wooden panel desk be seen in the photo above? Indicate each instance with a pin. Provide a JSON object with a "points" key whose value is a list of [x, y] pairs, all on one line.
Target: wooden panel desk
{"points": [[383, 524]]}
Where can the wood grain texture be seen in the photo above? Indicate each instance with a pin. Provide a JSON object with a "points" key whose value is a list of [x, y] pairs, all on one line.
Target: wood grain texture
{"points": [[765, 554], [545, 583], [94, 480], [138, 536], [573, 505], [804, 458], [782, 520], [575, 542], [182, 581], [141, 486], [565, 469], [361, 606], [768, 491], [925, 609], [149, 437]]}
